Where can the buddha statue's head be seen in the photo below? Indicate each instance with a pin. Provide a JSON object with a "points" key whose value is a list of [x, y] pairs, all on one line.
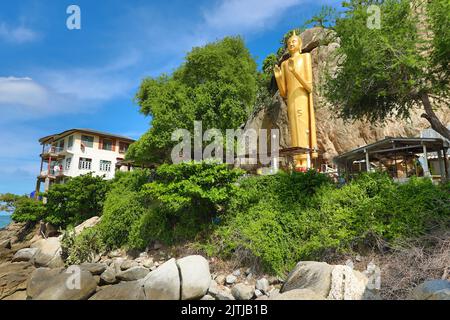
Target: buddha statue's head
{"points": [[294, 43]]}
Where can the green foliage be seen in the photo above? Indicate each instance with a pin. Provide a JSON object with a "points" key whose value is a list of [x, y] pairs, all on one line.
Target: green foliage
{"points": [[387, 71], [284, 219], [81, 248], [75, 201], [25, 208], [217, 84], [187, 196]]}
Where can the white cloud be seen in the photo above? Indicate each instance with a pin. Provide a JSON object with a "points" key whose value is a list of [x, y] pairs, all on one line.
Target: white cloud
{"points": [[246, 15], [18, 35], [22, 91]]}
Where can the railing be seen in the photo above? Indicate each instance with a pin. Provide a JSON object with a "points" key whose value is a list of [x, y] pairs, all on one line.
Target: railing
{"points": [[52, 149], [53, 173]]}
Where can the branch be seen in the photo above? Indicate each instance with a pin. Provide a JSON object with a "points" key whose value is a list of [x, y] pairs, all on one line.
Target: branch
{"points": [[429, 114]]}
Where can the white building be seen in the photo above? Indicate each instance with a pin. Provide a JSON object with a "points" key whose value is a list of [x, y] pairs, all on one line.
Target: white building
{"points": [[76, 152]]}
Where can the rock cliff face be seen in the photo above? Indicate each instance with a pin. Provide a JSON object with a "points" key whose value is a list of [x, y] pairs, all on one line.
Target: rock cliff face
{"points": [[333, 135]]}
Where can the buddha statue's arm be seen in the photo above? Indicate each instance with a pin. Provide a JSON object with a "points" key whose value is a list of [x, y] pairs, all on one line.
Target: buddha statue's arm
{"points": [[306, 84], [281, 83]]}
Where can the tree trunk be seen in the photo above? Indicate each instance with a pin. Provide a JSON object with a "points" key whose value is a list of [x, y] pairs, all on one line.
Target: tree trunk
{"points": [[429, 114]]}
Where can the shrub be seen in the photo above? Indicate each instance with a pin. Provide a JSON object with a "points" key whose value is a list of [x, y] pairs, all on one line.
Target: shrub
{"points": [[24, 208], [76, 201], [81, 248], [279, 230]]}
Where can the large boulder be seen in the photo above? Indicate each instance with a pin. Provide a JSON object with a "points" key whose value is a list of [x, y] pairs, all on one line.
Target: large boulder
{"points": [[132, 290], [71, 284], [432, 290], [13, 277], [25, 254], [195, 277], [163, 283], [48, 253], [108, 276], [38, 281], [132, 274], [298, 294], [89, 223], [312, 275]]}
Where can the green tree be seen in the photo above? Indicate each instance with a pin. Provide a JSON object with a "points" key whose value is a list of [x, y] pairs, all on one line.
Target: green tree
{"points": [[216, 84], [77, 200], [23, 208], [388, 71]]}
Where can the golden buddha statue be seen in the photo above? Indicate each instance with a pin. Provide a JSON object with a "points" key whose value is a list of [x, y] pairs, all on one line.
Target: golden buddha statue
{"points": [[295, 83]]}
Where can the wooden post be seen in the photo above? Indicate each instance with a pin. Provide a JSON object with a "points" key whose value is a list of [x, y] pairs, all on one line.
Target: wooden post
{"points": [[441, 166]]}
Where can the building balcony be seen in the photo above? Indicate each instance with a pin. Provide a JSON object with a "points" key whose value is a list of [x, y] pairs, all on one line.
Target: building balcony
{"points": [[52, 152], [52, 174]]}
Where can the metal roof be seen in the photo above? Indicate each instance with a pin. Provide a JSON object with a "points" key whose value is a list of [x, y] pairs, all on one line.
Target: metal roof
{"points": [[57, 136], [394, 145]]}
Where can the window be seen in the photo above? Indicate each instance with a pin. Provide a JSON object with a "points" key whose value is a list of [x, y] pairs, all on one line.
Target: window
{"points": [[61, 145], [123, 147], [68, 162], [85, 164], [70, 142], [87, 141], [107, 144], [105, 165]]}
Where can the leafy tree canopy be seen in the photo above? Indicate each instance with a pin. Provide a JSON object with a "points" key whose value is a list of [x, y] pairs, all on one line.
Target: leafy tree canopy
{"points": [[216, 84]]}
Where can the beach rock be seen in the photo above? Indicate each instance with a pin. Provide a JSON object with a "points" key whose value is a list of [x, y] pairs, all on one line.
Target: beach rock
{"points": [[230, 279], [237, 273], [18, 295], [108, 276], [242, 292], [347, 284], [195, 276], [71, 284], [132, 290], [298, 294], [39, 279], [213, 288], [258, 293], [13, 277], [50, 230], [163, 283], [225, 294], [94, 268], [132, 274], [208, 297], [48, 253], [315, 276], [24, 254], [5, 244], [263, 285], [432, 290], [128, 264], [220, 279], [89, 223], [148, 263]]}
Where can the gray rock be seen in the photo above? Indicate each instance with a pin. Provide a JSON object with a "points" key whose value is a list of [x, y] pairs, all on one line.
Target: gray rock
{"points": [[262, 298], [24, 254], [48, 253], [207, 297], [148, 263], [225, 295], [195, 276], [347, 284], [298, 294], [258, 293], [108, 276], [213, 288], [237, 273], [39, 279], [94, 268], [132, 274], [220, 279], [128, 264], [242, 291], [132, 290], [263, 285], [311, 275], [163, 283], [14, 277], [430, 290], [230, 279], [71, 284], [440, 295]]}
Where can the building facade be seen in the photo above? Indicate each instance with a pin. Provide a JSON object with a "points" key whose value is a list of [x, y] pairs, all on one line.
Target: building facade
{"points": [[76, 152]]}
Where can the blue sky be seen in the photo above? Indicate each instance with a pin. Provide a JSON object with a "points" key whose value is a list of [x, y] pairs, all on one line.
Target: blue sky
{"points": [[53, 79]]}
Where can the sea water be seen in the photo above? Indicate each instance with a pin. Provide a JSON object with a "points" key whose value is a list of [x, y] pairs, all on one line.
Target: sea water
{"points": [[5, 219]]}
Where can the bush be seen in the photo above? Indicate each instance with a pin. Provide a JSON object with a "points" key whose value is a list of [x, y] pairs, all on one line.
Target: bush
{"points": [[24, 209], [81, 248], [77, 200], [283, 219]]}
